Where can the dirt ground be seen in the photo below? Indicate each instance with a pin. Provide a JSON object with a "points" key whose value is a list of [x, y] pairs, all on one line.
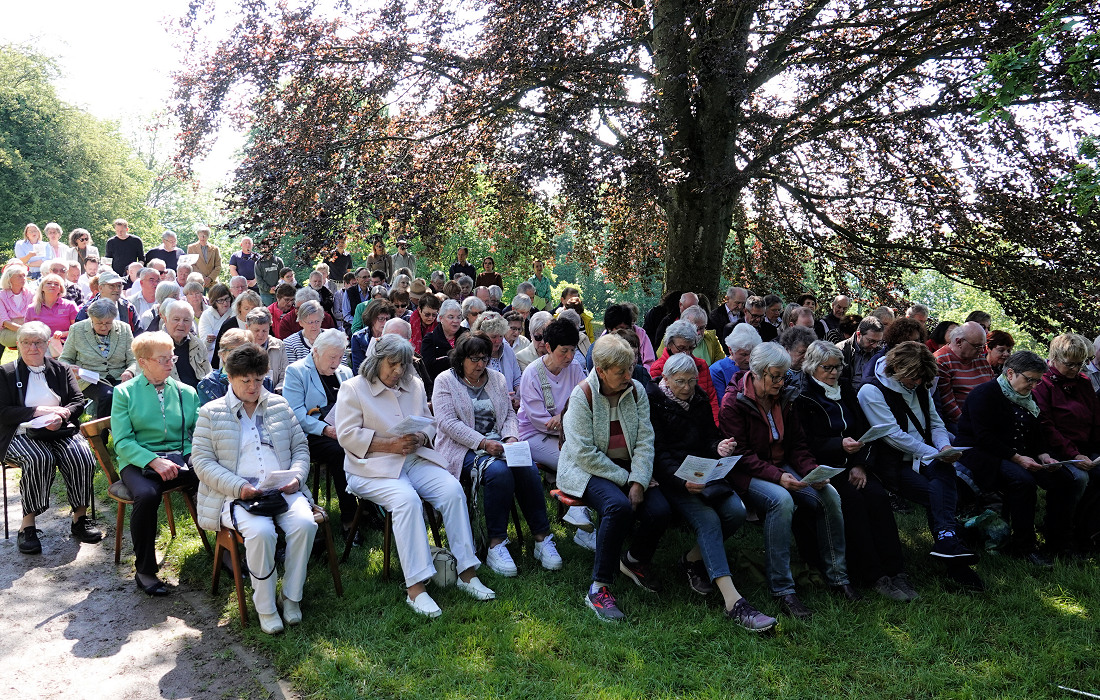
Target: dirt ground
{"points": [[74, 625]]}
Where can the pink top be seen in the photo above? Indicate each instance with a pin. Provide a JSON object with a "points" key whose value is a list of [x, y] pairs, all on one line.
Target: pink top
{"points": [[14, 305], [59, 318], [533, 414]]}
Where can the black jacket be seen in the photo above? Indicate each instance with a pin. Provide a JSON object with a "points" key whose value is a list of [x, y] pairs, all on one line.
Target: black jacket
{"points": [[436, 351], [678, 433], [823, 440], [13, 386]]}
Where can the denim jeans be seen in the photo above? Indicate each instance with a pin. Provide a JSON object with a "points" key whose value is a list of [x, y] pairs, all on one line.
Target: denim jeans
{"points": [[500, 484], [712, 526], [616, 521], [777, 505], [934, 488]]}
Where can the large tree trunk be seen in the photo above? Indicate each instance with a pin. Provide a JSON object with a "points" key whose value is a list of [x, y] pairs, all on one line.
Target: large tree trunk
{"points": [[698, 226]]}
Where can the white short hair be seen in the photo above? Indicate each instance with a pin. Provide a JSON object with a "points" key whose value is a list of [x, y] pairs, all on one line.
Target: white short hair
{"points": [[398, 326], [743, 337], [681, 363], [330, 338], [521, 302]]}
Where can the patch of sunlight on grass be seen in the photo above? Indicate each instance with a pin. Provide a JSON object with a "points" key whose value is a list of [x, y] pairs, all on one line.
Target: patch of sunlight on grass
{"points": [[900, 638], [538, 639], [472, 656], [1066, 605]]}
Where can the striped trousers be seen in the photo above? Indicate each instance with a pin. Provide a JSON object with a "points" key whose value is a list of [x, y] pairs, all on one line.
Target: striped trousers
{"points": [[37, 459]]}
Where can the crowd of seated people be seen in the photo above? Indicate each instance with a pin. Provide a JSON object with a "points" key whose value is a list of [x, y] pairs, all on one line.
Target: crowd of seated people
{"points": [[210, 390]]}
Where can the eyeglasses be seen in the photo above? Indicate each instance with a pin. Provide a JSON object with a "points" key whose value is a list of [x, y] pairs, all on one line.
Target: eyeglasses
{"points": [[165, 360], [777, 379], [251, 381], [829, 368], [223, 300], [1031, 381], [82, 238], [34, 344], [1072, 365], [537, 336], [478, 359], [680, 347], [979, 348]]}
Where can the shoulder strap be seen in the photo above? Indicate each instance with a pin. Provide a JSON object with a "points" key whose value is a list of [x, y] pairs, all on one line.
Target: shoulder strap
{"points": [[547, 391], [587, 389]]}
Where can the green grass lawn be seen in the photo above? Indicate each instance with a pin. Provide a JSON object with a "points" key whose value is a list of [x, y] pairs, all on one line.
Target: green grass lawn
{"points": [[1030, 632]]}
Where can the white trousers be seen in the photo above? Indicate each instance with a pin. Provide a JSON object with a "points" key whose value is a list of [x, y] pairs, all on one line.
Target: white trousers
{"points": [[259, 534], [421, 479]]}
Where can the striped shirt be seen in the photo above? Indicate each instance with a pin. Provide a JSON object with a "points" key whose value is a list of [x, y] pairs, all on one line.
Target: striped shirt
{"points": [[956, 378]]}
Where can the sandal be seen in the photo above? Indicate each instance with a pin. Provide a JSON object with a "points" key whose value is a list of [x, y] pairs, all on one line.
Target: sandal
{"points": [[160, 588]]}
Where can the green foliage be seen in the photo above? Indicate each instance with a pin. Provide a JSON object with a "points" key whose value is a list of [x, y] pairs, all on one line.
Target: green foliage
{"points": [[60, 164]]}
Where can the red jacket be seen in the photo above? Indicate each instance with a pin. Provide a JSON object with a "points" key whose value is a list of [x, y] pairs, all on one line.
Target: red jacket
{"points": [[741, 419], [418, 335], [1074, 409], [705, 382]]}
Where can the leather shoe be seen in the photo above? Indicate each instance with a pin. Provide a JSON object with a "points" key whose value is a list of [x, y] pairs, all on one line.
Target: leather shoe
{"points": [[28, 540], [848, 591], [156, 589], [271, 624], [424, 605], [790, 605]]}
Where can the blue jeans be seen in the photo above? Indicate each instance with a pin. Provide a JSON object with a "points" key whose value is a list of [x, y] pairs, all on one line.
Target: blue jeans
{"points": [[712, 526], [617, 520], [501, 484], [777, 505], [934, 488]]}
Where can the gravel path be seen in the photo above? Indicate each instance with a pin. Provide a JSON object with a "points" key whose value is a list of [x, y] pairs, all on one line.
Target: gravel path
{"points": [[75, 626]]}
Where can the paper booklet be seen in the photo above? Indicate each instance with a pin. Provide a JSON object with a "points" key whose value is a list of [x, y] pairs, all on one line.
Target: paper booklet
{"points": [[877, 431], [821, 473], [945, 453], [277, 479], [700, 470], [518, 454], [411, 425]]}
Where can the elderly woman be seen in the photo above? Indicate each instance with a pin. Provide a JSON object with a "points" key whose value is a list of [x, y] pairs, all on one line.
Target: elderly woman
{"points": [[310, 316], [539, 321], [311, 387], [316, 282], [709, 349], [758, 412], [259, 325], [503, 358], [153, 318], [515, 337], [289, 323], [833, 421], [437, 345], [424, 320], [544, 389], [396, 472], [607, 460], [239, 441], [178, 321], [1012, 439], [244, 303], [15, 299], [153, 446], [472, 307], [683, 336], [195, 296], [51, 308], [80, 247], [214, 316], [215, 384], [683, 425], [474, 419], [100, 345], [39, 406], [377, 313], [741, 340], [999, 346], [1066, 396], [898, 395], [795, 340]]}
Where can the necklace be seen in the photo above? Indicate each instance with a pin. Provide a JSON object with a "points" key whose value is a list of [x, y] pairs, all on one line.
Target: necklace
{"points": [[475, 386]]}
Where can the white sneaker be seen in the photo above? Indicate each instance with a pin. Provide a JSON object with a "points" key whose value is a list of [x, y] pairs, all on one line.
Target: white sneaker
{"points": [[292, 610], [476, 589], [585, 540], [577, 516], [271, 624], [546, 552], [424, 605], [499, 559]]}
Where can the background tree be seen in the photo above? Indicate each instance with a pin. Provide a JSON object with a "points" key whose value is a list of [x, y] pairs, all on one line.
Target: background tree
{"points": [[58, 163], [838, 136]]}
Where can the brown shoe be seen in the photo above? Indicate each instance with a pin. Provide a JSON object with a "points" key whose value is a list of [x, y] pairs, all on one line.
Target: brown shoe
{"points": [[790, 605], [848, 591]]}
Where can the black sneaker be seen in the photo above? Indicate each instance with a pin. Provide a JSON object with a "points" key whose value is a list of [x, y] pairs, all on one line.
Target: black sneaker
{"points": [[965, 577], [698, 578], [28, 541], [603, 604], [641, 574], [84, 529], [949, 546], [744, 614], [901, 582]]}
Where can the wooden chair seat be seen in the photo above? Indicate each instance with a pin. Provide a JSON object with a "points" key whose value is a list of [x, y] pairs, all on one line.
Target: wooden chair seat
{"points": [[96, 432], [228, 539]]}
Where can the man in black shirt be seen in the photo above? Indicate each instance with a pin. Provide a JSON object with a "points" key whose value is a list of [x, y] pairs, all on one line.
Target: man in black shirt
{"points": [[339, 262], [123, 249], [461, 267]]}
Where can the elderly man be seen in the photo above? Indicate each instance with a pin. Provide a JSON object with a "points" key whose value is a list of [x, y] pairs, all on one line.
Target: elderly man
{"points": [[243, 264], [110, 287], [238, 285], [209, 261], [687, 299], [885, 315], [539, 321], [831, 321], [961, 367], [144, 294], [860, 348], [731, 312], [168, 252], [755, 312], [123, 249], [919, 313]]}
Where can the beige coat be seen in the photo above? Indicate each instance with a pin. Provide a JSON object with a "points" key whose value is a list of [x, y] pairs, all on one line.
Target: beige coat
{"points": [[211, 269], [276, 358], [364, 410]]}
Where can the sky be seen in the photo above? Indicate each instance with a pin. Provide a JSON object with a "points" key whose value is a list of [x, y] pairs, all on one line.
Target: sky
{"points": [[115, 57]]}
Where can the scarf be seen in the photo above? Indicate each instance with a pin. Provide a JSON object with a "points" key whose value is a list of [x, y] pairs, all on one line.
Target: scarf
{"points": [[668, 392], [831, 392], [1026, 402]]}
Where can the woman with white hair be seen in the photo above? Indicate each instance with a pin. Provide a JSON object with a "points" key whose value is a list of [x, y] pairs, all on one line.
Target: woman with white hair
{"points": [[310, 387], [683, 426], [309, 316], [761, 417], [15, 299], [100, 344], [437, 345], [153, 318], [178, 321], [833, 421], [503, 358], [472, 307], [289, 323], [683, 336], [244, 303], [396, 472], [709, 349], [741, 340]]}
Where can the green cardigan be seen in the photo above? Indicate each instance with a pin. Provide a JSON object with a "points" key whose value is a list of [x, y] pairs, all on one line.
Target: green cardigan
{"points": [[141, 431]]}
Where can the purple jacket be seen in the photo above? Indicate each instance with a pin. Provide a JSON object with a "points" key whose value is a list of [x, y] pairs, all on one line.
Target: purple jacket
{"points": [[454, 416], [1074, 409]]}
